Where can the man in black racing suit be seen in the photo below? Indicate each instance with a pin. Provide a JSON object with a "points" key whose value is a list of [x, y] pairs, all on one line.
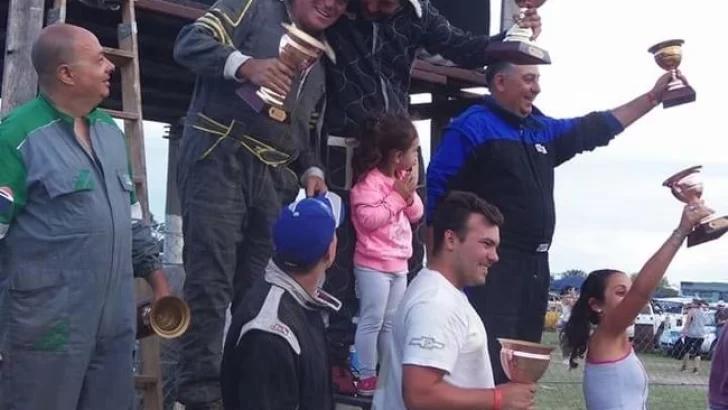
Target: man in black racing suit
{"points": [[275, 355]]}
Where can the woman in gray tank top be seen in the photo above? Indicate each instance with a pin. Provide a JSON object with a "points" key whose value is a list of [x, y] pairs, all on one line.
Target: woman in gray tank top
{"points": [[614, 378], [693, 336]]}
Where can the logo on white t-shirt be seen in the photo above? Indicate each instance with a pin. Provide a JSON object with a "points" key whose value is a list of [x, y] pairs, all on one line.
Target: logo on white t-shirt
{"points": [[426, 342]]}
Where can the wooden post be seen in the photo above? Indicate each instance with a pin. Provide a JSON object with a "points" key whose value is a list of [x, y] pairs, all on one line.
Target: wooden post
{"points": [[439, 120], [20, 81]]}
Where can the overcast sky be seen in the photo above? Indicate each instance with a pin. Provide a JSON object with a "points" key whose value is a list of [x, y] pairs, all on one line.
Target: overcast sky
{"points": [[611, 208]]}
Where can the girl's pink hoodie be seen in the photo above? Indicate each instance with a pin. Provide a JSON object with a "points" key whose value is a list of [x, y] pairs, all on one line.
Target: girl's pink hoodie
{"points": [[382, 220]]}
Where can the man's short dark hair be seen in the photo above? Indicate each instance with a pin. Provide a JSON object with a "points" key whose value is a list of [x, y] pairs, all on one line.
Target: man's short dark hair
{"points": [[494, 69], [453, 213]]}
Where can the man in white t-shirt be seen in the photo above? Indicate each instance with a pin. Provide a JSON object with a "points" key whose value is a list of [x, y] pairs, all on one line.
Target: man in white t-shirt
{"points": [[437, 357]]}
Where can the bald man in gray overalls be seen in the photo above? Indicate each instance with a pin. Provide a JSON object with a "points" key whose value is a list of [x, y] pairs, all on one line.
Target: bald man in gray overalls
{"points": [[71, 238]]}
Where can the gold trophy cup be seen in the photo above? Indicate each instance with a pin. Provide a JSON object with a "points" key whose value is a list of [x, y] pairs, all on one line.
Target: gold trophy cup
{"points": [[299, 51], [668, 55], [168, 318], [524, 362], [517, 46], [687, 187]]}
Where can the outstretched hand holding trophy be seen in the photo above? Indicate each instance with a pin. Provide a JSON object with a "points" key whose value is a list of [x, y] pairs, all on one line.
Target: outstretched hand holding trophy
{"points": [[518, 46], [668, 55], [687, 187]]}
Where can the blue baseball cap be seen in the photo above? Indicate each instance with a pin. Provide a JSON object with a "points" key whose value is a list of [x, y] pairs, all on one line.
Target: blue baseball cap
{"points": [[304, 230]]}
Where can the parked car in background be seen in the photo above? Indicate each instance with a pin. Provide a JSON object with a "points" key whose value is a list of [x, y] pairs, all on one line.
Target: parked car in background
{"points": [[647, 328], [671, 335]]}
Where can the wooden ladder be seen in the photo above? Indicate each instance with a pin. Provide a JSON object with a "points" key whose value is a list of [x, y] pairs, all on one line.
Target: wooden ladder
{"points": [[126, 60]]}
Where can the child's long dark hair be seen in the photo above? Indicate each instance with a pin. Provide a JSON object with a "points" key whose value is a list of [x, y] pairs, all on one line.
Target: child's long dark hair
{"points": [[381, 135], [577, 330]]}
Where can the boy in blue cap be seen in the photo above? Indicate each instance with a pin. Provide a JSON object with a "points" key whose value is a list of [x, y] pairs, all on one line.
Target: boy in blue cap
{"points": [[275, 354]]}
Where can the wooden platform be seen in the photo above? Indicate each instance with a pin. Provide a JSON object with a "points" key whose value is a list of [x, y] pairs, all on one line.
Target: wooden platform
{"points": [[167, 87]]}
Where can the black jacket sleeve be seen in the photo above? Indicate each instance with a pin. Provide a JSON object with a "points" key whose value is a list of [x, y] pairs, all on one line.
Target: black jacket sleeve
{"points": [[205, 45], [268, 373], [576, 135], [465, 49]]}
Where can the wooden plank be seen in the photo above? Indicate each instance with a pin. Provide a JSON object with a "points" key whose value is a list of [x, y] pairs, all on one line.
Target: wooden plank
{"points": [[171, 8], [122, 115], [20, 81], [131, 100], [469, 76], [118, 57], [429, 77]]}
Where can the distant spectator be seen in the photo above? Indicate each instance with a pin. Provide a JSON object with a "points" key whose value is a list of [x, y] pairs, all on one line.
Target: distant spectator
{"points": [[694, 333], [721, 317], [568, 298]]}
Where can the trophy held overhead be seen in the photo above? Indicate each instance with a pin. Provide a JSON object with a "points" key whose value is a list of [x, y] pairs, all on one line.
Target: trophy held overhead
{"points": [[668, 55], [687, 187], [518, 47]]}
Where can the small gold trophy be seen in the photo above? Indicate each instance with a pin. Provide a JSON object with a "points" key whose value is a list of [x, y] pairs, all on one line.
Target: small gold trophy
{"points": [[517, 47], [668, 55], [299, 51], [168, 318], [687, 187]]}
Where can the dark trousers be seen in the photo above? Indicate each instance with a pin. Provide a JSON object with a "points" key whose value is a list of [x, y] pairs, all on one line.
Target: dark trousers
{"points": [[340, 277], [229, 200], [513, 301]]}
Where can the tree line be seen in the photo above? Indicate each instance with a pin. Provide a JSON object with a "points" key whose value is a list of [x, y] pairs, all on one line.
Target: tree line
{"points": [[666, 289]]}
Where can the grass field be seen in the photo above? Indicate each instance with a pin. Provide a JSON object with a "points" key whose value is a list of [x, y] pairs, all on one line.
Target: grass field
{"points": [[561, 389]]}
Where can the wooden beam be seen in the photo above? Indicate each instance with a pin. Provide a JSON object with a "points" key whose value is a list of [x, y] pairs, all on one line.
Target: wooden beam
{"points": [[20, 81], [439, 109], [469, 76], [172, 8], [429, 77]]}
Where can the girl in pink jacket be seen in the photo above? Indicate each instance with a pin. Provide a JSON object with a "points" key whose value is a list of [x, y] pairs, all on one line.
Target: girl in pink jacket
{"points": [[384, 204]]}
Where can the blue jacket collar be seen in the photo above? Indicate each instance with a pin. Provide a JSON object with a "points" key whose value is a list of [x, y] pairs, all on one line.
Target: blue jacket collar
{"points": [[517, 121]]}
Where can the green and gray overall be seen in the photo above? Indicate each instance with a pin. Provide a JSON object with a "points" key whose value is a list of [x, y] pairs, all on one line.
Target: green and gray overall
{"points": [[68, 256]]}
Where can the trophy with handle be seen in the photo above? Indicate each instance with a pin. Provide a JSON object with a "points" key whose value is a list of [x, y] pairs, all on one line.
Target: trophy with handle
{"points": [[299, 51], [517, 46], [668, 55], [524, 362], [687, 187]]}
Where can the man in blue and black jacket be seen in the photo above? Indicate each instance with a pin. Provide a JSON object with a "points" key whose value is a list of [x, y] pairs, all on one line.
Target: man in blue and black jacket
{"points": [[505, 150], [377, 43]]}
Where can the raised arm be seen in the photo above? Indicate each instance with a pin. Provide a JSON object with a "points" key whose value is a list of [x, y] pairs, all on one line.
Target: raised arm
{"points": [[651, 274], [13, 183], [573, 136], [628, 113], [576, 135], [461, 47]]}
